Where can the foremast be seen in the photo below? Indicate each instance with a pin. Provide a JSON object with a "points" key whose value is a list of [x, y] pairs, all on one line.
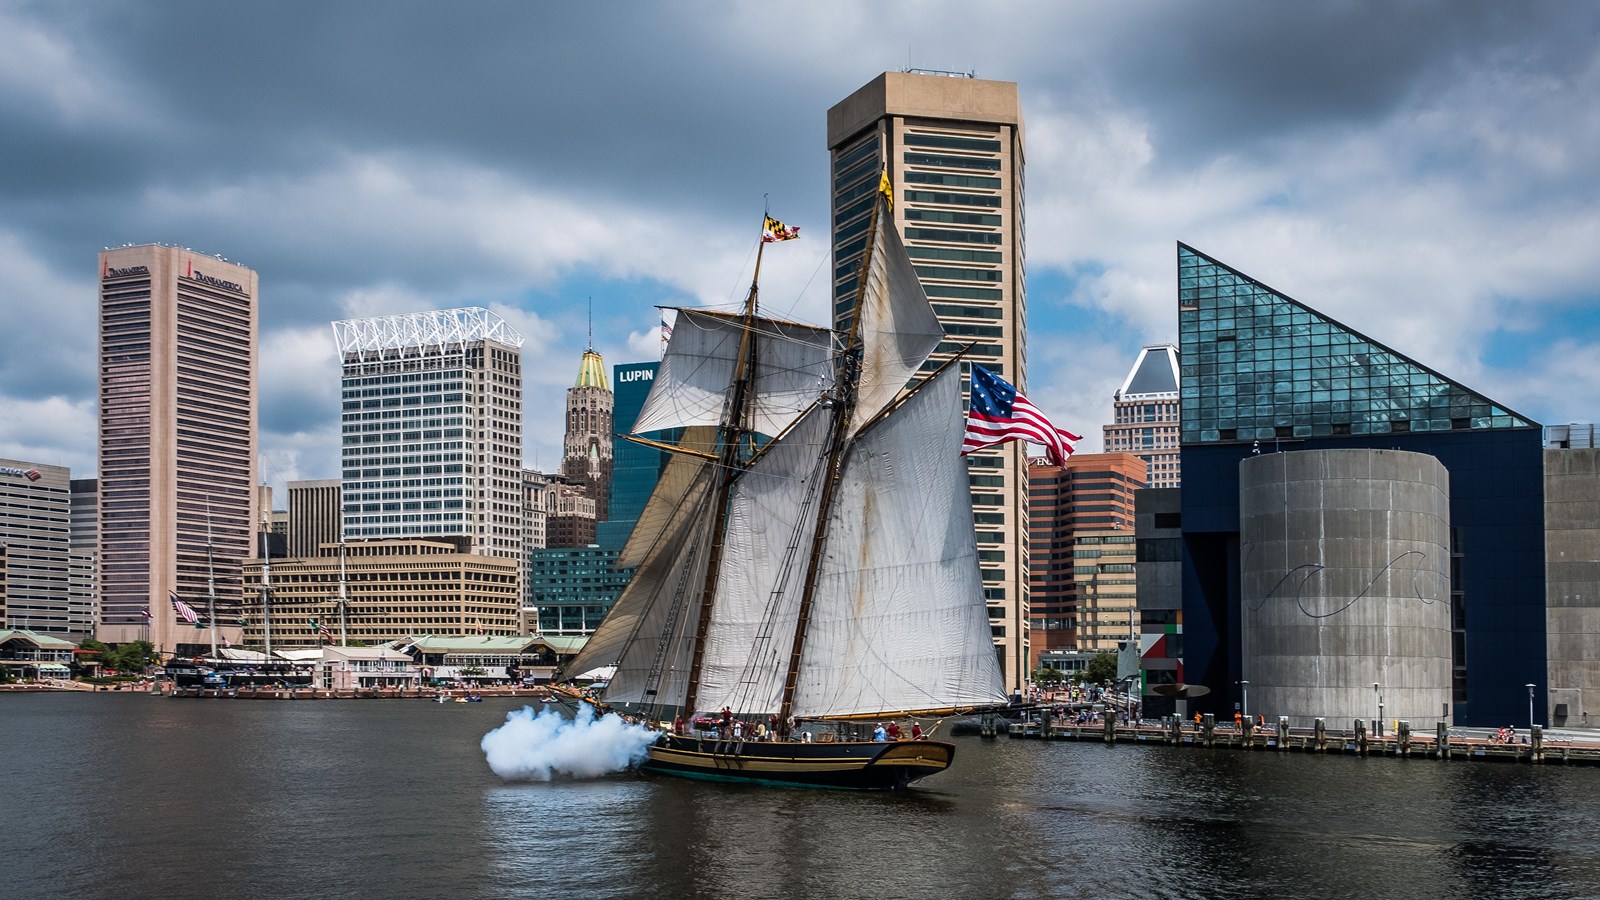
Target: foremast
{"points": [[732, 433]]}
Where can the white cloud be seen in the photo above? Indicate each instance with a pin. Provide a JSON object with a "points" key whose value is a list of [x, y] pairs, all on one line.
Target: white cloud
{"points": [[51, 431]]}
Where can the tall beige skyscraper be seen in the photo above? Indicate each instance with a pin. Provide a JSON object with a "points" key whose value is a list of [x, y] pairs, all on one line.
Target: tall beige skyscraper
{"points": [[178, 405], [952, 146]]}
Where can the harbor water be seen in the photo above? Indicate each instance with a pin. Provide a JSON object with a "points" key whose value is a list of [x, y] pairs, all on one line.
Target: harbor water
{"points": [[121, 796]]}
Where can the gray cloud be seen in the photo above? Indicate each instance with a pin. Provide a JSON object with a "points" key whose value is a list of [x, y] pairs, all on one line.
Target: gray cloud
{"points": [[1421, 170]]}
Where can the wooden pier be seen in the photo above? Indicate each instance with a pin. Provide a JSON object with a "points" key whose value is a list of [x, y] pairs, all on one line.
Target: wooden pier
{"points": [[1279, 738]]}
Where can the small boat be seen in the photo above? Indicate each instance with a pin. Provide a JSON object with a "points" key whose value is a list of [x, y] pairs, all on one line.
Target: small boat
{"points": [[808, 557]]}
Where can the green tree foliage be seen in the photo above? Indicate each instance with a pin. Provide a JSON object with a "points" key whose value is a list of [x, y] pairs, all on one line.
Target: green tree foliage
{"points": [[1047, 678], [1103, 667], [133, 656]]}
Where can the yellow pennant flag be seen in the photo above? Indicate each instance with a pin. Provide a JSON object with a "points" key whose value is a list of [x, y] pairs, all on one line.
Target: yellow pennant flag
{"points": [[886, 189]]}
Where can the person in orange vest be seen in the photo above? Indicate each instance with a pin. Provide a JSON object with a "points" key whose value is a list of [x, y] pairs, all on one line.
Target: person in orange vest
{"points": [[1238, 719]]}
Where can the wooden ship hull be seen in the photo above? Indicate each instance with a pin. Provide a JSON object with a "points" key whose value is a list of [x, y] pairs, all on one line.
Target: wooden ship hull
{"points": [[847, 765]]}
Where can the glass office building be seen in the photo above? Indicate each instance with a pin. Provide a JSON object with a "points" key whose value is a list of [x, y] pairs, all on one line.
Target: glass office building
{"points": [[1262, 373], [634, 467], [574, 587]]}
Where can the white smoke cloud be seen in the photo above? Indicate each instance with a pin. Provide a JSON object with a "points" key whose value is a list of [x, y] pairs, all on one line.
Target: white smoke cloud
{"points": [[538, 746]]}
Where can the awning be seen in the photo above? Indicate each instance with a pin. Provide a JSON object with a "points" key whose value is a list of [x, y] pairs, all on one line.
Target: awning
{"points": [[53, 667]]}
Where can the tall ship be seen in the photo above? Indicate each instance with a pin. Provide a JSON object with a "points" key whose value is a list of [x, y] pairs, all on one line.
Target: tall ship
{"points": [[808, 557]]}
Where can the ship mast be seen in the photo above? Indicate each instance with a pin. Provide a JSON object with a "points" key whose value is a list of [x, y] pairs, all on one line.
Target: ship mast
{"points": [[849, 371], [266, 581], [733, 429], [211, 583]]}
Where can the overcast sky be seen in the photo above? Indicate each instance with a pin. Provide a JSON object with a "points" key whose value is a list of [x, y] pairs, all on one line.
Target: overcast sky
{"points": [[1426, 172]]}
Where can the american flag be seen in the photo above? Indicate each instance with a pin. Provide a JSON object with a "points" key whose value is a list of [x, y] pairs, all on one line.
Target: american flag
{"points": [[999, 414], [146, 613], [184, 610], [322, 631]]}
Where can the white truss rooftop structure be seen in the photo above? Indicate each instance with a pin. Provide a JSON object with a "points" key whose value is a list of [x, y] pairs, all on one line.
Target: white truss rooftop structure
{"points": [[440, 331]]}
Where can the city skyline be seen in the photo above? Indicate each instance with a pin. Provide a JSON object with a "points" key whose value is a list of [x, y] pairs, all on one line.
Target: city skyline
{"points": [[1433, 190]]}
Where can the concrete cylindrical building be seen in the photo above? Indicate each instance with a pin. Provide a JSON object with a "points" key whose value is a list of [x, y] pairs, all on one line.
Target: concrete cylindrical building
{"points": [[1345, 584]]}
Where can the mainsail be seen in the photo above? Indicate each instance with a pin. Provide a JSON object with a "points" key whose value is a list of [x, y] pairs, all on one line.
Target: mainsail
{"points": [[832, 573], [898, 623]]}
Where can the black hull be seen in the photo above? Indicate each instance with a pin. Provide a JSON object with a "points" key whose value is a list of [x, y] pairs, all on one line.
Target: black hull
{"points": [[858, 766]]}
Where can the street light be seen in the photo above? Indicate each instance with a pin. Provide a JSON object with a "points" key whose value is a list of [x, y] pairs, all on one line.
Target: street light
{"points": [[1377, 724], [1530, 707], [1245, 688]]}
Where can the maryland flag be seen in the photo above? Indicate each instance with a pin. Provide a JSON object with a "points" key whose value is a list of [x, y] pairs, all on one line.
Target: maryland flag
{"points": [[773, 230], [886, 189]]}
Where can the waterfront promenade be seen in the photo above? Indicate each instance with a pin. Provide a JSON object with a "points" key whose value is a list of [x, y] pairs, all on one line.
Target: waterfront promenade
{"points": [[268, 693], [1530, 746]]}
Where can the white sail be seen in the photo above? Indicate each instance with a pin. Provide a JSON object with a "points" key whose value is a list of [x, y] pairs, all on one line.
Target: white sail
{"points": [[677, 479], [898, 622], [772, 514], [691, 387], [673, 570], [896, 324]]}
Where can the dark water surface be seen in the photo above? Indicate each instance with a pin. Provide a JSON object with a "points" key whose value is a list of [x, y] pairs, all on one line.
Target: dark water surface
{"points": [[128, 797]]}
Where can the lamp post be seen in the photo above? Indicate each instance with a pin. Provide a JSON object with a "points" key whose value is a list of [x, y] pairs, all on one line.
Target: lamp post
{"points": [[1377, 724], [1530, 707], [1244, 687]]}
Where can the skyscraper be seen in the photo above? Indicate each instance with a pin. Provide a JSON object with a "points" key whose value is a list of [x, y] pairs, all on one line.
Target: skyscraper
{"points": [[178, 407], [634, 467], [314, 515], [432, 420], [952, 147], [1145, 415], [83, 545], [34, 517], [586, 459], [1075, 513]]}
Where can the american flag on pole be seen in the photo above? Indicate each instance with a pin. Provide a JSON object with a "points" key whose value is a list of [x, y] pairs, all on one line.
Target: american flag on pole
{"points": [[999, 414], [322, 631], [146, 613], [184, 610]]}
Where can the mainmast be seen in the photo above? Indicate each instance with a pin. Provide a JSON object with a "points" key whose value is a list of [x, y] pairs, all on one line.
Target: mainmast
{"points": [[728, 466], [846, 378]]}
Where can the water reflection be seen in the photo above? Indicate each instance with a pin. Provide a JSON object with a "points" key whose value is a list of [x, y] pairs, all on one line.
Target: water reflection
{"points": [[147, 797]]}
